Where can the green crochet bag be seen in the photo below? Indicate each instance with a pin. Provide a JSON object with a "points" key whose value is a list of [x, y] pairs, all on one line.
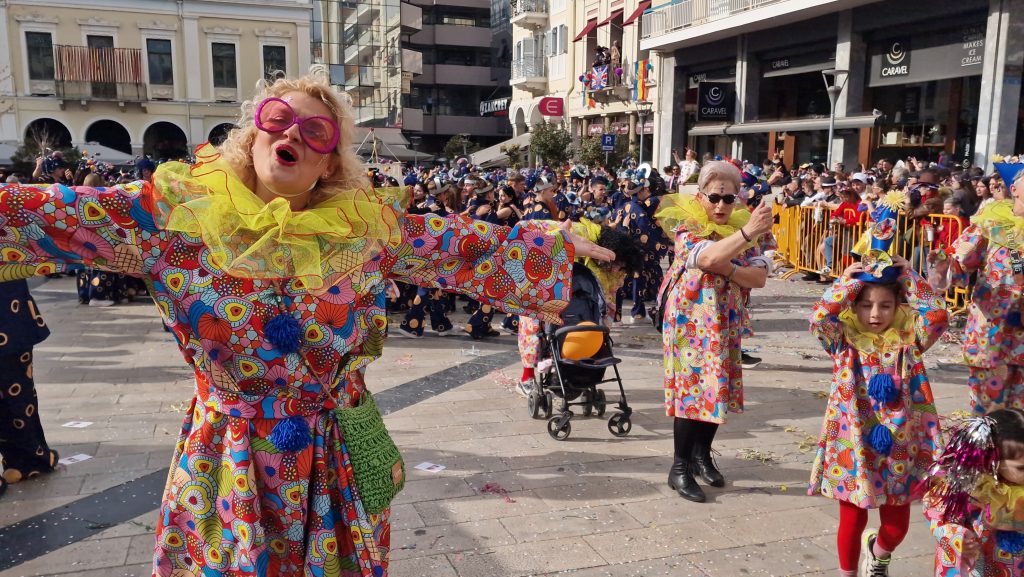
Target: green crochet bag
{"points": [[374, 456]]}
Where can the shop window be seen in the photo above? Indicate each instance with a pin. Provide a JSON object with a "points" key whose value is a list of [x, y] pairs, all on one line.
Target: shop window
{"points": [[160, 61], [39, 46]]}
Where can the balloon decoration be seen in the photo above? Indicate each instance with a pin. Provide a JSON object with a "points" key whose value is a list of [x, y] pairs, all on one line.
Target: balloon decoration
{"points": [[583, 344]]}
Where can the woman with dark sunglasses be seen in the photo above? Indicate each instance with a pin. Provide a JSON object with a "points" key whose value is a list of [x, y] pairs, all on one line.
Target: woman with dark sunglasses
{"points": [[718, 260], [269, 260]]}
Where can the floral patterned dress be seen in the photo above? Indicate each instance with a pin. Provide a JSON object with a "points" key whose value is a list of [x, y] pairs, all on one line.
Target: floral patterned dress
{"points": [[704, 323], [239, 501], [994, 337], [851, 463]]}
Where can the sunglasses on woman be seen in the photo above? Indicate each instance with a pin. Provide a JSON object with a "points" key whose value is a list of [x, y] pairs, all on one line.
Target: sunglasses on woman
{"points": [[320, 133], [726, 198]]}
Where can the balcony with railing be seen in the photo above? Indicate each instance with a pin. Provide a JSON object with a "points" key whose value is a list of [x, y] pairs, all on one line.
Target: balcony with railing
{"points": [[532, 14], [84, 73], [530, 73], [677, 24]]}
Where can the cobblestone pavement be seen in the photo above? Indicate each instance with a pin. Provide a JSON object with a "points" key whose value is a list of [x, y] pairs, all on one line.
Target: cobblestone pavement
{"points": [[511, 500]]}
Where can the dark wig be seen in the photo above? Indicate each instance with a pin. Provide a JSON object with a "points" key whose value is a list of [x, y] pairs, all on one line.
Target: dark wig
{"points": [[627, 251], [1009, 432]]}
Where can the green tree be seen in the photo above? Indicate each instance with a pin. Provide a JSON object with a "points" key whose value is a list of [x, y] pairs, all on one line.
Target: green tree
{"points": [[551, 143], [588, 151], [24, 158], [456, 144]]}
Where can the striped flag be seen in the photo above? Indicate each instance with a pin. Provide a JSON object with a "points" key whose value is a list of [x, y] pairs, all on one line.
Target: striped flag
{"points": [[641, 68]]}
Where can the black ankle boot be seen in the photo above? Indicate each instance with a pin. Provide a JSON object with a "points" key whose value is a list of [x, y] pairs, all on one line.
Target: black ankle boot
{"points": [[680, 479], [704, 467]]}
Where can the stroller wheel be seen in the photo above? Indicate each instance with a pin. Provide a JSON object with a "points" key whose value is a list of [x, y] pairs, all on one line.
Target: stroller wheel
{"points": [[601, 404], [588, 404], [549, 404], [533, 403], [559, 432], [618, 425]]}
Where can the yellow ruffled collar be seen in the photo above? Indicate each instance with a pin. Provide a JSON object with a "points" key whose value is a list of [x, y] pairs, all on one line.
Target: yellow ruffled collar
{"points": [[250, 238], [685, 210], [900, 333], [999, 225], [1003, 504]]}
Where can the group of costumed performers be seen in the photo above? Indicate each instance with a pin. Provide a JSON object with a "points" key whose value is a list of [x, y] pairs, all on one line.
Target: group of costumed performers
{"points": [[269, 259], [704, 295]]}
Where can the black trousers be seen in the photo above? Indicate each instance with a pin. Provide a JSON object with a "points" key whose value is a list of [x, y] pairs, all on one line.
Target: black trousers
{"points": [[22, 443]]}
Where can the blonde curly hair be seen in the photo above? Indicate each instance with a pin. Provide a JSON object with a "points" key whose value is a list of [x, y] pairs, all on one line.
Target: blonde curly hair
{"points": [[348, 172]]}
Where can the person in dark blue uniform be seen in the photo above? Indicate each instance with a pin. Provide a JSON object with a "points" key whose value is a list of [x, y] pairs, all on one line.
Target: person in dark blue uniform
{"points": [[23, 449], [637, 219], [480, 206]]}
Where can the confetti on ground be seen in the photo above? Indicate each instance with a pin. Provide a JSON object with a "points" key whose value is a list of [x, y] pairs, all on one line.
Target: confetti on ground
{"points": [[77, 424], [471, 352], [181, 407], [821, 394], [74, 459], [763, 457], [404, 361], [501, 379], [496, 489]]}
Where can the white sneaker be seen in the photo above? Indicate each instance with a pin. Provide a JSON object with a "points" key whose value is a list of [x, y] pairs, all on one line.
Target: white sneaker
{"points": [[525, 387], [444, 332], [408, 333], [871, 566]]}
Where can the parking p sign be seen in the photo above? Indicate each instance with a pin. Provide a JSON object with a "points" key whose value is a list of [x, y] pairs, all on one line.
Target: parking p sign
{"points": [[607, 142]]}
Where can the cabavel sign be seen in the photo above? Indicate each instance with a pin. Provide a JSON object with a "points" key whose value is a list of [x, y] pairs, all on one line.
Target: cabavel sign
{"points": [[897, 59], [714, 101]]}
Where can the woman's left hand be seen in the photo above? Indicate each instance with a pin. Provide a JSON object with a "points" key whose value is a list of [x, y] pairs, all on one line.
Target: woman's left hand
{"points": [[901, 262], [585, 248]]}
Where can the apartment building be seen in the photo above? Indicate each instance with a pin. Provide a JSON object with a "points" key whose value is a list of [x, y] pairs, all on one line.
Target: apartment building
{"points": [[140, 76], [555, 55], [936, 79]]}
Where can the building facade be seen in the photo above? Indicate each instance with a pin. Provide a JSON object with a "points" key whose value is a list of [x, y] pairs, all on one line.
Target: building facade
{"points": [[555, 54], [146, 76], [935, 80], [416, 71]]}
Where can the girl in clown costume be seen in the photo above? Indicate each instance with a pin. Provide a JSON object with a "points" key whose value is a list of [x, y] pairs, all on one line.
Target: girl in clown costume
{"points": [[881, 429], [269, 259]]}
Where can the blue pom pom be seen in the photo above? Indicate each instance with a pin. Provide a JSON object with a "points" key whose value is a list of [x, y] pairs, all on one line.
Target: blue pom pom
{"points": [[291, 434], [1010, 541], [1013, 319], [284, 332], [883, 389], [880, 439]]}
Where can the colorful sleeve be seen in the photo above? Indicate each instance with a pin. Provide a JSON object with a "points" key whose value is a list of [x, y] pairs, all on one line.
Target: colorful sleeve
{"points": [[968, 255], [932, 316], [525, 269], [47, 228], [825, 315]]}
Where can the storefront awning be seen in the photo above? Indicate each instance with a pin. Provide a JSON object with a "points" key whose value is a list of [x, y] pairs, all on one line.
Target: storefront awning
{"points": [[493, 156], [614, 15], [795, 125], [800, 69], [636, 13], [591, 24]]}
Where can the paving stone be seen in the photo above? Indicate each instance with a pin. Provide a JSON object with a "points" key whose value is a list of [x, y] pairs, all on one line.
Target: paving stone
{"points": [[475, 536], [770, 559], [675, 566], [526, 559], [657, 541], [570, 523], [78, 557], [434, 566]]}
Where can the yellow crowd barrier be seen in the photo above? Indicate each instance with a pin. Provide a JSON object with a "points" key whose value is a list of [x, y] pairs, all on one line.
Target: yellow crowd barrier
{"points": [[810, 240]]}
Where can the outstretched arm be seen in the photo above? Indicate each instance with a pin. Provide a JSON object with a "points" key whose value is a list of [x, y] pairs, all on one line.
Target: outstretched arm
{"points": [[47, 228], [932, 316]]}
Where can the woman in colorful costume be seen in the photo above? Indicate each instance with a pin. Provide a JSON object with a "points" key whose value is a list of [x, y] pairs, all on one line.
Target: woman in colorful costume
{"points": [[976, 503], [704, 294], [269, 260], [881, 430], [993, 246]]}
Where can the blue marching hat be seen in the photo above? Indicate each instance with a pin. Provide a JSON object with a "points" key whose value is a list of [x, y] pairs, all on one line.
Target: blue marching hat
{"points": [[878, 266], [1008, 171]]}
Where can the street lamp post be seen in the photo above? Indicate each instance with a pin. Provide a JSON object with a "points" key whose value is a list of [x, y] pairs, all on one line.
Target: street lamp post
{"points": [[643, 109], [465, 139], [835, 81], [415, 141]]}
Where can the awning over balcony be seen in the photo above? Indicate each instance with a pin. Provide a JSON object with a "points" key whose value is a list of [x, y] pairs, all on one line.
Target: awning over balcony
{"points": [[493, 156], [795, 125], [636, 13], [614, 15], [591, 24]]}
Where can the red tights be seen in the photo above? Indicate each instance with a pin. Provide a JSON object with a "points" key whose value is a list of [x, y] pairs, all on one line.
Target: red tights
{"points": [[853, 520]]}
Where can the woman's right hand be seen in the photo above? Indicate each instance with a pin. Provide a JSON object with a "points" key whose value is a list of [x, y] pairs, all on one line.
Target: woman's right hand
{"points": [[760, 221]]}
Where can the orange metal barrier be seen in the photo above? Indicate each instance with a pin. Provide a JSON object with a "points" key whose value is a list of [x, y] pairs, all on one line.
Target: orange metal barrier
{"points": [[801, 233]]}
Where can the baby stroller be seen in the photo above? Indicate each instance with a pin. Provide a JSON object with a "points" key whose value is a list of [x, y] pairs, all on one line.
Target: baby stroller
{"points": [[575, 381]]}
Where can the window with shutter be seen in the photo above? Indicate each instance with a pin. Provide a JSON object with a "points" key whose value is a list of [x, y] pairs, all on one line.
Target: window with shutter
{"points": [[563, 38]]}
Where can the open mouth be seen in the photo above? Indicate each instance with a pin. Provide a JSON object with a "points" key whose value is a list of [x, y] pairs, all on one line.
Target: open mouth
{"points": [[286, 155]]}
